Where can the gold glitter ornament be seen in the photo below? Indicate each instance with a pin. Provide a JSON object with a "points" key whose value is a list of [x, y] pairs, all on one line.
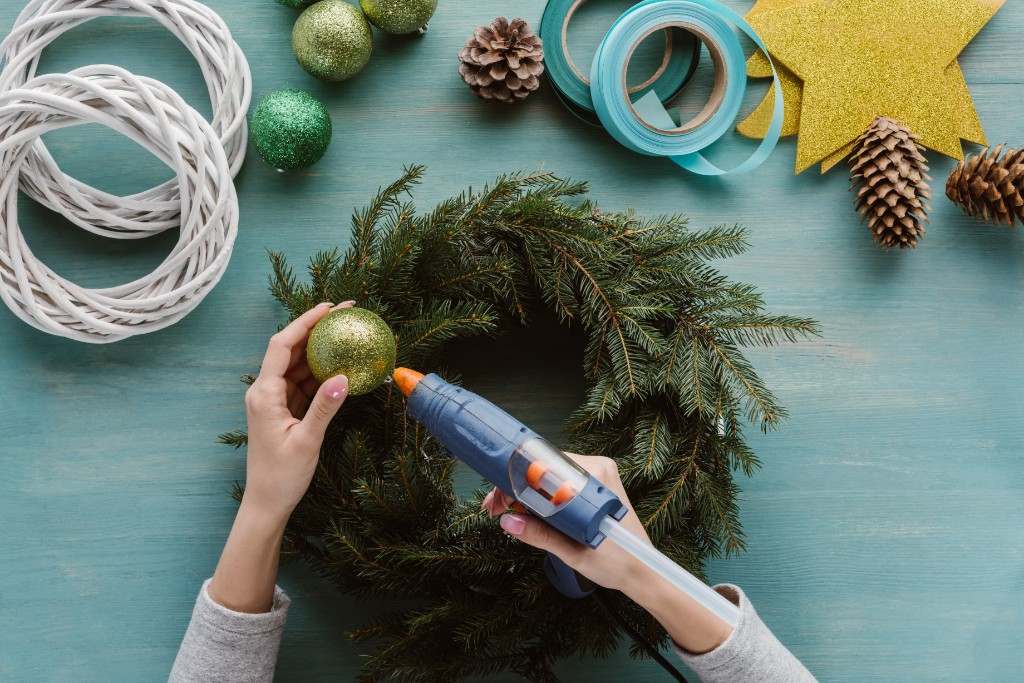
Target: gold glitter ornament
{"points": [[399, 16], [353, 342], [858, 60], [332, 40]]}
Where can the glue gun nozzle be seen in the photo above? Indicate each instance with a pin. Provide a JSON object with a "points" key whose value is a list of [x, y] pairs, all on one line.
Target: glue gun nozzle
{"points": [[407, 379]]}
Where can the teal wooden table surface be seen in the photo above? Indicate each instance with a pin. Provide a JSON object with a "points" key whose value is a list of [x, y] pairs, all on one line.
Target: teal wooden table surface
{"points": [[884, 529]]}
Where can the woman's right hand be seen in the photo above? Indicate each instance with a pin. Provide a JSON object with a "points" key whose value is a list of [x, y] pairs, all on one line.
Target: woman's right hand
{"points": [[688, 623], [608, 565]]}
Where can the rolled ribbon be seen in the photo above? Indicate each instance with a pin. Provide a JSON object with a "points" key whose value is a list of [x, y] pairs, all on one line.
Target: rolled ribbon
{"points": [[645, 126], [571, 85]]}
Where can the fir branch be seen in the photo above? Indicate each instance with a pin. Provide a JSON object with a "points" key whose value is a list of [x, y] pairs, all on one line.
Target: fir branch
{"points": [[364, 222], [283, 281], [237, 439], [664, 333]]}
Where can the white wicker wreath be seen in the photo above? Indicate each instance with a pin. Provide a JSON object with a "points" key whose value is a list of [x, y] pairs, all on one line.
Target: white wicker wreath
{"points": [[228, 80], [154, 116]]}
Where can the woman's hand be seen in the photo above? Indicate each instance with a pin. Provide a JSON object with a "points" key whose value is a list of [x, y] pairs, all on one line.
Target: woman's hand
{"points": [[288, 412], [691, 625], [608, 565]]}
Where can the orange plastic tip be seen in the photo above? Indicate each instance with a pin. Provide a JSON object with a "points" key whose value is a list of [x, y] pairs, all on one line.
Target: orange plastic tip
{"points": [[407, 379]]}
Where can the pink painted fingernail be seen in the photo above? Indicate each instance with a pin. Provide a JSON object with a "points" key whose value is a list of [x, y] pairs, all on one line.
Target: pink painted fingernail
{"points": [[344, 304], [337, 387], [486, 505], [513, 524]]}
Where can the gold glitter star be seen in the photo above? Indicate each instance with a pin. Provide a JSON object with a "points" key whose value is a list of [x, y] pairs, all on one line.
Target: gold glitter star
{"points": [[756, 125], [870, 57]]}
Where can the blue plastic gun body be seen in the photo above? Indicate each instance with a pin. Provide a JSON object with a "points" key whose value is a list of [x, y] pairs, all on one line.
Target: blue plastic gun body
{"points": [[541, 479], [515, 459]]}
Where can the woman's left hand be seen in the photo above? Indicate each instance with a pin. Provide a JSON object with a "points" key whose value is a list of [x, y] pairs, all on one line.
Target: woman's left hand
{"points": [[288, 412]]}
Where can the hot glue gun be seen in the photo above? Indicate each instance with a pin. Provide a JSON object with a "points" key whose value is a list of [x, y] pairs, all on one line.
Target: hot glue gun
{"points": [[541, 479]]}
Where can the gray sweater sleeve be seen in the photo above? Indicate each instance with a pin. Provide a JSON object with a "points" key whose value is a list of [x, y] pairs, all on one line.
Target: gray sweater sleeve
{"points": [[751, 654], [223, 646]]}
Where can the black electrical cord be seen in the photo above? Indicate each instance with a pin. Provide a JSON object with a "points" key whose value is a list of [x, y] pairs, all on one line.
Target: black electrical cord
{"points": [[640, 640]]}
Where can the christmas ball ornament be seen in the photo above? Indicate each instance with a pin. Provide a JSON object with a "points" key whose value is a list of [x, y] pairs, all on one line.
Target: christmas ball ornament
{"points": [[398, 16], [296, 4], [332, 40], [290, 129], [353, 342]]}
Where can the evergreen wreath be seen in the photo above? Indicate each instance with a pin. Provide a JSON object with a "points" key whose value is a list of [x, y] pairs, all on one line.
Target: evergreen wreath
{"points": [[668, 393]]}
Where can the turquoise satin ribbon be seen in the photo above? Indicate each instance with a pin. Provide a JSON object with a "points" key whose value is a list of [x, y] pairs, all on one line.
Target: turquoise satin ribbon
{"points": [[662, 137], [574, 91]]}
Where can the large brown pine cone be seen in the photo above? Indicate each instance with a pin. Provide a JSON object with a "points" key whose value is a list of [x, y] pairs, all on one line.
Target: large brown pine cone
{"points": [[891, 172], [989, 188], [502, 61]]}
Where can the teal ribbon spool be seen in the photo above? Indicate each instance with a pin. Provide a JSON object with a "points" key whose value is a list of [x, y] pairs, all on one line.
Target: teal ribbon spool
{"points": [[645, 126], [682, 53]]}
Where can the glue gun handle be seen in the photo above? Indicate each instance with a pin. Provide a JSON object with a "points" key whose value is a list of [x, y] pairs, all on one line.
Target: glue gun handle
{"points": [[567, 580]]}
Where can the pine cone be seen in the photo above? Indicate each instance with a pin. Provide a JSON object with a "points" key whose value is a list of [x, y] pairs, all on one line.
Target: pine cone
{"points": [[888, 165], [989, 188], [502, 61]]}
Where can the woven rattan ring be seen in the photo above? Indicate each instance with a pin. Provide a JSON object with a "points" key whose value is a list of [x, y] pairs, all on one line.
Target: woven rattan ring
{"points": [[154, 116], [224, 68]]}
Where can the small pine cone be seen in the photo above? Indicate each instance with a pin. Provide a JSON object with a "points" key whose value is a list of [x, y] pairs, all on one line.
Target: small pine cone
{"points": [[989, 188], [888, 166], [503, 61]]}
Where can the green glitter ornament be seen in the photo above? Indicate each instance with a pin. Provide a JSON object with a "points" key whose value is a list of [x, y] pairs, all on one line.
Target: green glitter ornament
{"points": [[290, 129], [399, 16], [353, 342], [332, 40], [296, 4]]}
